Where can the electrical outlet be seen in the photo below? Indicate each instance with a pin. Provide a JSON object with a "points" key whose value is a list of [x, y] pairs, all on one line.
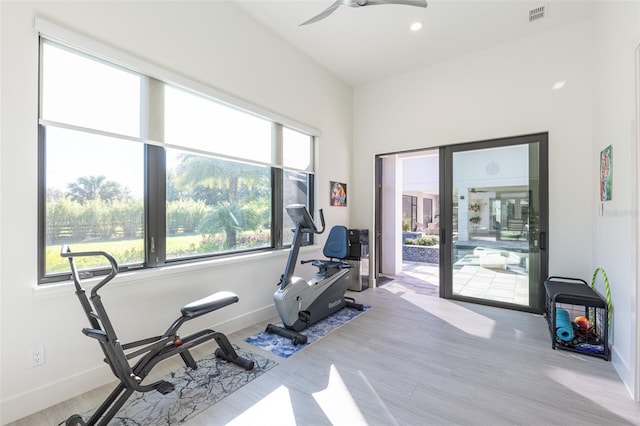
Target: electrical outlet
{"points": [[36, 357]]}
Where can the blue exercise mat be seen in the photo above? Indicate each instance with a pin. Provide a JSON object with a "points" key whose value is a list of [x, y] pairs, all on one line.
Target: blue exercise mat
{"points": [[283, 347]]}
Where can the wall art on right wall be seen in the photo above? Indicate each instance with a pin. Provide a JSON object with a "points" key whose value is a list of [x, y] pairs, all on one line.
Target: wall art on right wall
{"points": [[606, 173]]}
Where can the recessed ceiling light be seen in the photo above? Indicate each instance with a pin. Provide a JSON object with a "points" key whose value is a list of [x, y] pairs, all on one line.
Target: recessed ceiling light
{"points": [[559, 85], [416, 26]]}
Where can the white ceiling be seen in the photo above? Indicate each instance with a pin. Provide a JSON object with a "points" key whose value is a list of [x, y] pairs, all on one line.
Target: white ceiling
{"points": [[366, 44]]}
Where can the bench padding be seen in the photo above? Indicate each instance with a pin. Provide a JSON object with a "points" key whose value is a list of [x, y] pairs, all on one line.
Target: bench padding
{"points": [[210, 303]]}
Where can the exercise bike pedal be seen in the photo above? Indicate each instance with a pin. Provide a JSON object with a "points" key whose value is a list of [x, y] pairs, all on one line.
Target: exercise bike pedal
{"points": [[164, 387]]}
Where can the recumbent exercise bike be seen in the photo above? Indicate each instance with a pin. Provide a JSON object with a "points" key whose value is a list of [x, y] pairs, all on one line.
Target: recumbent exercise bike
{"points": [[151, 350], [301, 303]]}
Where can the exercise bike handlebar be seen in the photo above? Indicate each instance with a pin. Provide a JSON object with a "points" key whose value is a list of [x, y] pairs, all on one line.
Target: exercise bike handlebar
{"points": [[321, 221], [302, 219], [66, 252]]}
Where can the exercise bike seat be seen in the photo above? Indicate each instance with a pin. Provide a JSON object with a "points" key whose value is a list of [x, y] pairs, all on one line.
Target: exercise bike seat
{"points": [[337, 244], [336, 248], [208, 304]]}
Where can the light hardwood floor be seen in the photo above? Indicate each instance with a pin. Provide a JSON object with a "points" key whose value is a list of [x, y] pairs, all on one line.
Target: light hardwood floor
{"points": [[415, 359]]}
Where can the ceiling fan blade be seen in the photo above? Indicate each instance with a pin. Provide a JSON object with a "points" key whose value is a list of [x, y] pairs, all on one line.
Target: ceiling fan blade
{"points": [[418, 3], [328, 11], [359, 3]]}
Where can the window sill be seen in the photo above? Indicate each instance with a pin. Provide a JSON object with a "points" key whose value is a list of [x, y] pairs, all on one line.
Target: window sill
{"points": [[63, 289]]}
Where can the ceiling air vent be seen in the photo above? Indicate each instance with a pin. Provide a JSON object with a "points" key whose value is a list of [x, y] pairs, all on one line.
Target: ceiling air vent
{"points": [[537, 13]]}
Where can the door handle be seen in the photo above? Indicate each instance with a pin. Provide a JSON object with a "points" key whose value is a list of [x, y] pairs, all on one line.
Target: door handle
{"points": [[543, 241]]}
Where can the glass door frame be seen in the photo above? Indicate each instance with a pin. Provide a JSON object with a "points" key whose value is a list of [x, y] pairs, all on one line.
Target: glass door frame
{"points": [[538, 236]]}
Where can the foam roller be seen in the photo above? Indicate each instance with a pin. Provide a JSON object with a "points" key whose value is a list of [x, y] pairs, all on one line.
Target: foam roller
{"points": [[564, 328]]}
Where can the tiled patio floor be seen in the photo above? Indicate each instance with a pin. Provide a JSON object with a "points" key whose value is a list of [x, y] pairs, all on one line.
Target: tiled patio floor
{"points": [[473, 281]]}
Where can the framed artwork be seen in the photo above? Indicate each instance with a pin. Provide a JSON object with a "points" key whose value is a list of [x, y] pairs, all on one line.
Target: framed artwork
{"points": [[606, 173], [338, 194]]}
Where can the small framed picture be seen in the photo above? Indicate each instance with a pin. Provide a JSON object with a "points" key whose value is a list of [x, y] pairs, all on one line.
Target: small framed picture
{"points": [[338, 194], [606, 173]]}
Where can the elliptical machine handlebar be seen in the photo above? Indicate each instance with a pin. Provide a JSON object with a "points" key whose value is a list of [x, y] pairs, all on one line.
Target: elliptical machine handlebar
{"points": [[66, 252]]}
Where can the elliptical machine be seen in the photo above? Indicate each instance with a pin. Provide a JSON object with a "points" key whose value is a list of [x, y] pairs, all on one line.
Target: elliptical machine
{"points": [[301, 303], [132, 362]]}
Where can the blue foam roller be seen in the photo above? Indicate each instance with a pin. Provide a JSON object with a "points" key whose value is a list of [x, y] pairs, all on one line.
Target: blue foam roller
{"points": [[564, 328]]}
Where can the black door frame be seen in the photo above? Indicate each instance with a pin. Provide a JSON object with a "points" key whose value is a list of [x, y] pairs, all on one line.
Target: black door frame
{"points": [[538, 237], [378, 219]]}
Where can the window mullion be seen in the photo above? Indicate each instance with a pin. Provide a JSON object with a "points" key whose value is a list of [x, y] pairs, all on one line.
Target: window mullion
{"points": [[155, 205], [276, 185], [311, 201], [276, 144], [152, 128], [152, 109], [276, 206]]}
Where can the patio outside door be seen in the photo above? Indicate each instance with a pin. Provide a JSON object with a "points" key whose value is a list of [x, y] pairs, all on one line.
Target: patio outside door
{"points": [[494, 239]]}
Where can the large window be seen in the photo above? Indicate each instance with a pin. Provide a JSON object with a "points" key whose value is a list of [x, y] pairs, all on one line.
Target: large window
{"points": [[94, 195], [154, 173]]}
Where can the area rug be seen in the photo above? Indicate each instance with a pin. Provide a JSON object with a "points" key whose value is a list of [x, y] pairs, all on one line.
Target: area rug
{"points": [[283, 346], [195, 391]]}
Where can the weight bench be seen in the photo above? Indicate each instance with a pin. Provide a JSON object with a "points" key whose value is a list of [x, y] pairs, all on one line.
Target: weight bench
{"points": [[151, 350]]}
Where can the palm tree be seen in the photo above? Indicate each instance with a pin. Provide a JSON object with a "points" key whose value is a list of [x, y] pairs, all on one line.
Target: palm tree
{"points": [[197, 171]]}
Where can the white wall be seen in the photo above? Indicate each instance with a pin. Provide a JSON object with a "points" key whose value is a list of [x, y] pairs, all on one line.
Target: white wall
{"points": [[506, 91], [392, 220], [498, 92], [421, 174], [613, 223], [212, 43]]}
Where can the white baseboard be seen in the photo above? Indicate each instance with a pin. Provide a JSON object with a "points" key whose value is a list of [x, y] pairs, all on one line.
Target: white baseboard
{"points": [[625, 373], [54, 393], [36, 400]]}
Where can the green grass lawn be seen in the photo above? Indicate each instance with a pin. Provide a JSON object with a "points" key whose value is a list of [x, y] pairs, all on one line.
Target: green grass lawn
{"points": [[132, 251], [124, 251]]}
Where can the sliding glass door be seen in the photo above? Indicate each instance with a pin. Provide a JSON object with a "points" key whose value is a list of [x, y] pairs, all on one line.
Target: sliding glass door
{"points": [[494, 239]]}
